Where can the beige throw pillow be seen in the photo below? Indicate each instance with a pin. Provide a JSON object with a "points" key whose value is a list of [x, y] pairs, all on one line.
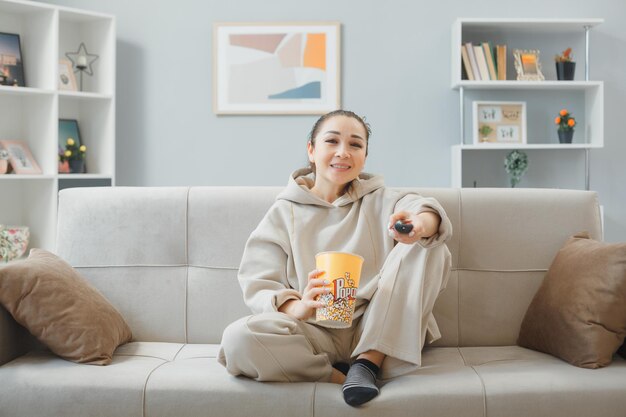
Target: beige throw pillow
{"points": [[579, 312], [60, 308]]}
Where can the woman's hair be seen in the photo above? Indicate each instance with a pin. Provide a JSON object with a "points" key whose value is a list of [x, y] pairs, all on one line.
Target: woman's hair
{"points": [[346, 113]]}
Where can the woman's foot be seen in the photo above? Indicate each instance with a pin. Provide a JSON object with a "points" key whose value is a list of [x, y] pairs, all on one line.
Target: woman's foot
{"points": [[360, 385], [337, 377]]}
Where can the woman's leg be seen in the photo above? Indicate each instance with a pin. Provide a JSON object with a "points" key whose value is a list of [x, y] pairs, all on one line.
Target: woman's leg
{"points": [[276, 347], [399, 316]]}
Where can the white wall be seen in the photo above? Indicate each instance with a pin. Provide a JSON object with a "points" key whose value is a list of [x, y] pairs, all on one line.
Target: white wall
{"points": [[395, 70]]}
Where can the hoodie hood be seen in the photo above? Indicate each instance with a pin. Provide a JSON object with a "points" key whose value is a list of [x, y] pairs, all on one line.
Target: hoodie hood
{"points": [[298, 189]]}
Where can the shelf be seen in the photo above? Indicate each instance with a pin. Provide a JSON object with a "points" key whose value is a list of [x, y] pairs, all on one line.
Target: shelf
{"points": [[13, 177], [24, 91], [537, 25], [528, 85], [84, 95], [84, 177], [522, 146]]}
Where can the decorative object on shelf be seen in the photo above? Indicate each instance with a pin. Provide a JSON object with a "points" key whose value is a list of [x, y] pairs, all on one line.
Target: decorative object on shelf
{"points": [[82, 61], [565, 67], [499, 122], [67, 80], [527, 65], [13, 242], [71, 149], [64, 165], [11, 65], [566, 124], [20, 157], [276, 68], [516, 164], [4, 161]]}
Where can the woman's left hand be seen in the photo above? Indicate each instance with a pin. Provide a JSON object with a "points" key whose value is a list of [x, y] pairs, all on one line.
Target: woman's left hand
{"points": [[419, 227]]}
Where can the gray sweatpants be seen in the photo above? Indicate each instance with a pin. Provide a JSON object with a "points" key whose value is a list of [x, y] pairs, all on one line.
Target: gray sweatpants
{"points": [[397, 321]]}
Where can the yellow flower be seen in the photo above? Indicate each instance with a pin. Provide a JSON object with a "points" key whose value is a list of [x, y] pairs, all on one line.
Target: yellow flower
{"points": [[563, 112], [70, 141], [83, 148], [68, 153]]}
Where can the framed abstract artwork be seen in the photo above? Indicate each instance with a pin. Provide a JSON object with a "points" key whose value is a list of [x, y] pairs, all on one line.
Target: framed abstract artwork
{"points": [[11, 64], [276, 68]]}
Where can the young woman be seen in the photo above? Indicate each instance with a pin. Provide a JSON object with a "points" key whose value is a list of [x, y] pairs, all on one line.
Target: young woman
{"points": [[334, 206]]}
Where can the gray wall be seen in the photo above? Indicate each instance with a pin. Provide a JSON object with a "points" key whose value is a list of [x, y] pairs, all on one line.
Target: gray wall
{"points": [[395, 70]]}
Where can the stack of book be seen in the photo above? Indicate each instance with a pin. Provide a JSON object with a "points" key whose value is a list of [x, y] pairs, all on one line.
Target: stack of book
{"points": [[483, 62]]}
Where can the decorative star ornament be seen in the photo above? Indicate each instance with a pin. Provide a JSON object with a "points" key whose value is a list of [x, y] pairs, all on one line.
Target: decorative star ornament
{"points": [[82, 60]]}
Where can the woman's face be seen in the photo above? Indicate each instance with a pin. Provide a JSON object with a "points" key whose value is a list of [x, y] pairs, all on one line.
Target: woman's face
{"points": [[339, 152]]}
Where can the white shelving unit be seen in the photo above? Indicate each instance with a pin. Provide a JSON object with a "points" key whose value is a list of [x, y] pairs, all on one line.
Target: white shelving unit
{"points": [[544, 98], [31, 113]]}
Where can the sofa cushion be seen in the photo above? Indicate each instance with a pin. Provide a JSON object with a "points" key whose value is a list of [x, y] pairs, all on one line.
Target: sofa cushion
{"points": [[61, 309], [579, 312]]}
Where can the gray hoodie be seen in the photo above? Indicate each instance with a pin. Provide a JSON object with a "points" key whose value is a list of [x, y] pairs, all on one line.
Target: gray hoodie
{"points": [[280, 252]]}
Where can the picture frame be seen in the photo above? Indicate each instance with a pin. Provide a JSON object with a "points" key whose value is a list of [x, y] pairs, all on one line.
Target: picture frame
{"points": [[67, 79], [11, 64], [527, 65], [276, 68], [68, 128], [20, 157], [499, 122]]}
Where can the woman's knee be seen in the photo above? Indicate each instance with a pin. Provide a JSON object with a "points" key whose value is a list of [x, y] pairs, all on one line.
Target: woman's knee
{"points": [[243, 335]]}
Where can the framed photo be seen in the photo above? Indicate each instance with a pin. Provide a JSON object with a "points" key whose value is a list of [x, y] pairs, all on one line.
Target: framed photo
{"points": [[67, 80], [11, 65], [499, 122], [20, 157], [527, 65], [276, 68]]}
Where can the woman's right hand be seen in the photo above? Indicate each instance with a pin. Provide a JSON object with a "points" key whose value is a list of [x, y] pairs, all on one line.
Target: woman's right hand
{"points": [[304, 308]]}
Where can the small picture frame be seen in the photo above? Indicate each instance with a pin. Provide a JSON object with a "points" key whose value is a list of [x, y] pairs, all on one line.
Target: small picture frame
{"points": [[11, 65], [527, 65], [20, 157], [67, 79], [499, 122]]}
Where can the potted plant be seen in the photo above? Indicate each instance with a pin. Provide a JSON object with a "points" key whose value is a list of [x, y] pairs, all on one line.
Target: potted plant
{"points": [[484, 131], [516, 164], [566, 124], [565, 67], [75, 155]]}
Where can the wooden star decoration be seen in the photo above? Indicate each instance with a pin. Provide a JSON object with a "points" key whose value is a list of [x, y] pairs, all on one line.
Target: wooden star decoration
{"points": [[76, 59]]}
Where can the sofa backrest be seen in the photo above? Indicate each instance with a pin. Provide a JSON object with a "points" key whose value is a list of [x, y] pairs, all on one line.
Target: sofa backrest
{"points": [[167, 257]]}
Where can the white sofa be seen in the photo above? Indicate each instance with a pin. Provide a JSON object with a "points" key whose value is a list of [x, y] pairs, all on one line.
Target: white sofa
{"points": [[167, 258]]}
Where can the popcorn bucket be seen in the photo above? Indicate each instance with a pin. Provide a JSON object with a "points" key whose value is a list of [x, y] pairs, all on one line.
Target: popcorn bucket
{"points": [[343, 270]]}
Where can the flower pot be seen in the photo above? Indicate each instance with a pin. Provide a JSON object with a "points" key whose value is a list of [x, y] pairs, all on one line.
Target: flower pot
{"points": [[565, 136], [565, 71], [77, 166], [64, 167]]}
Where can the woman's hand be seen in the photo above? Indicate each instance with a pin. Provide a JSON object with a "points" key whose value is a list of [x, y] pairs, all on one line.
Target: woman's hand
{"points": [[424, 224], [304, 308]]}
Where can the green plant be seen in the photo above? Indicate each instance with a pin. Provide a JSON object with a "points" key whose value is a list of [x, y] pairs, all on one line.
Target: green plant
{"points": [[565, 121], [516, 164], [485, 130], [566, 56]]}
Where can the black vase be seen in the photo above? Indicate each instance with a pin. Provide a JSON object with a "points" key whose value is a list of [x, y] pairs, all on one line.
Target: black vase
{"points": [[77, 166], [565, 136], [565, 71]]}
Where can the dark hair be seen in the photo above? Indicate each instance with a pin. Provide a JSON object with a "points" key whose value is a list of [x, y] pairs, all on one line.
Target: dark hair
{"points": [[346, 113]]}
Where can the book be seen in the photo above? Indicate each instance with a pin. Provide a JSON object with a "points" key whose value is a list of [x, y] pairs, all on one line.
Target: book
{"points": [[472, 57], [482, 63], [490, 61], [501, 61], [467, 64]]}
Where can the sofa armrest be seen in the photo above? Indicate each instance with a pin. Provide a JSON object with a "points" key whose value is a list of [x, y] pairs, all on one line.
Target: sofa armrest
{"points": [[13, 338]]}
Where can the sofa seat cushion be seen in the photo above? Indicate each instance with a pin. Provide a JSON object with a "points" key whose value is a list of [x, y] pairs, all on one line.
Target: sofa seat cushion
{"points": [[519, 382]]}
